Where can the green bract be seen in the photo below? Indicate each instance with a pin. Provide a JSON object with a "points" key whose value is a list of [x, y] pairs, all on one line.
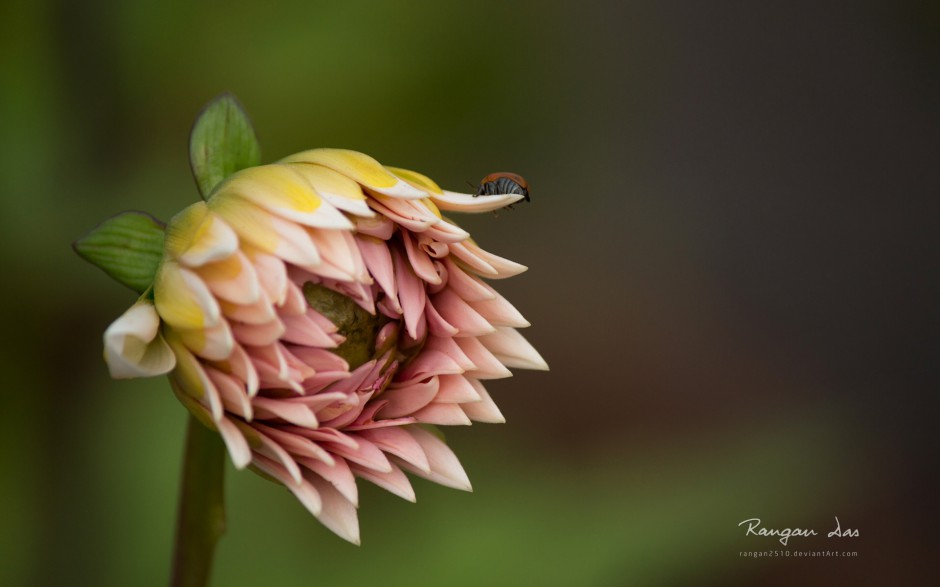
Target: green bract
{"points": [[222, 142], [128, 247]]}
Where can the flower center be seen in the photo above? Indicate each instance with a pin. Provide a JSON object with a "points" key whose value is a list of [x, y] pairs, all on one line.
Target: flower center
{"points": [[359, 327]]}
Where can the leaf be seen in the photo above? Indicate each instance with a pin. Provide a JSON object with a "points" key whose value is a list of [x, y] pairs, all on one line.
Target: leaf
{"points": [[128, 247], [222, 142]]}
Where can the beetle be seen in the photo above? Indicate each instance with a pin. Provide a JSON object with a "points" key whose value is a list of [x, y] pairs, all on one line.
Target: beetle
{"points": [[503, 182]]}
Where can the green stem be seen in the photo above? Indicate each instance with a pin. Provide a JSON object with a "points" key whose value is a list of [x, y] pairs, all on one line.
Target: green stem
{"points": [[201, 517]]}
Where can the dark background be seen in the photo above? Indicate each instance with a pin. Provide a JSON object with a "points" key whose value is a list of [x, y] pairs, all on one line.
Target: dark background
{"points": [[732, 247]]}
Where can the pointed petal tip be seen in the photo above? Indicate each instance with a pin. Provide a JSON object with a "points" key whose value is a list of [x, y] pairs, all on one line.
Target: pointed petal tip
{"points": [[458, 202]]}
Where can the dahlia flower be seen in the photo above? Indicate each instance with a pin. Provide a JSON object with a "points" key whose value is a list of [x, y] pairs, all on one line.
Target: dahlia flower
{"points": [[320, 313]]}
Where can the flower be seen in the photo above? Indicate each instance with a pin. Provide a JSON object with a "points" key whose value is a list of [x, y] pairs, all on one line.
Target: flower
{"points": [[319, 312]]}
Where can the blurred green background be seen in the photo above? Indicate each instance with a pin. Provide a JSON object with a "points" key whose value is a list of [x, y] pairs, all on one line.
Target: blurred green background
{"points": [[732, 249]]}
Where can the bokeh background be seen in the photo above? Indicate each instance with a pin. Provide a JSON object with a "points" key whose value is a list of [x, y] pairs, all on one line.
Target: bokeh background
{"points": [[733, 250]]}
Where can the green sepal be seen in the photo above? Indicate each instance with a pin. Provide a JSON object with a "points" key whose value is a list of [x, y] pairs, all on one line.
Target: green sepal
{"points": [[128, 247], [222, 142]]}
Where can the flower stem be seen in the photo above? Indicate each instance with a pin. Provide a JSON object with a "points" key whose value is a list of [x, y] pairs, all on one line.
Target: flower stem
{"points": [[201, 516]]}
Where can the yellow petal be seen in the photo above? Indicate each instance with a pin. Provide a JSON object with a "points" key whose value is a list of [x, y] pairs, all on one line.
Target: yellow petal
{"points": [[335, 188], [285, 192], [196, 236], [192, 379], [418, 180], [133, 346], [182, 299], [360, 168], [267, 231], [215, 343]]}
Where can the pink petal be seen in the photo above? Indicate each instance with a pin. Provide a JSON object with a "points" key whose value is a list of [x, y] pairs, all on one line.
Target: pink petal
{"points": [[394, 481], [445, 468], [266, 446], [232, 392], [272, 275], [304, 330], [305, 492], [258, 334], [319, 359], [468, 287], [426, 364], [436, 323], [433, 248], [291, 443], [398, 442], [294, 302], [503, 267], [455, 389], [499, 312], [460, 314], [378, 226], [295, 413], [332, 436], [404, 212], [235, 442], [259, 312], [484, 410], [513, 350], [338, 513], [474, 262], [239, 365], [339, 249], [419, 260], [233, 279], [410, 294], [378, 260], [447, 232], [404, 401], [338, 474], [442, 414], [366, 454], [488, 366], [449, 347]]}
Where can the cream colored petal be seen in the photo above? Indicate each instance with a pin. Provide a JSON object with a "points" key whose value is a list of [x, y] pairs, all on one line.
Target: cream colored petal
{"points": [[458, 202], [360, 168], [134, 347], [182, 299]]}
